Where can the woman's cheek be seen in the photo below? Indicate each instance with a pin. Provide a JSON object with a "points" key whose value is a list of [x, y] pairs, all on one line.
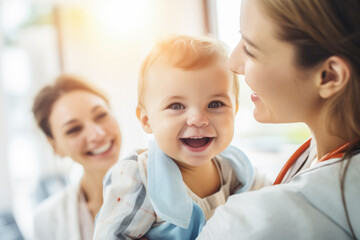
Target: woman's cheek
{"points": [[251, 75]]}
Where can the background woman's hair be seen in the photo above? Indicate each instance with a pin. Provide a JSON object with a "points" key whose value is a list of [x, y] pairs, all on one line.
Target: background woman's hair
{"points": [[319, 29], [49, 94]]}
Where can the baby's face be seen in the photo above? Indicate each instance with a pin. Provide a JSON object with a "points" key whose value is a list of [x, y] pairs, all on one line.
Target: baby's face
{"points": [[190, 112]]}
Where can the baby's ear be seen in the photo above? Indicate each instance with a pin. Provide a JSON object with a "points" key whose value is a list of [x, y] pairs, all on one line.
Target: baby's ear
{"points": [[143, 118]]}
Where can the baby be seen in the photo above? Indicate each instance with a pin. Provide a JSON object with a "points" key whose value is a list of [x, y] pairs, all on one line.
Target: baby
{"points": [[187, 98]]}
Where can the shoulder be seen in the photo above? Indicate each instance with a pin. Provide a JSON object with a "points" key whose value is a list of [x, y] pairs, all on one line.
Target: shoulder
{"points": [[129, 167], [264, 213], [324, 185], [59, 200], [250, 215], [311, 201], [57, 214], [328, 173]]}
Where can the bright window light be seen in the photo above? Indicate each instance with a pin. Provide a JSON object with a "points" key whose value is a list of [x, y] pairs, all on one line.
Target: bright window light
{"points": [[13, 14], [15, 71], [122, 18], [228, 13]]}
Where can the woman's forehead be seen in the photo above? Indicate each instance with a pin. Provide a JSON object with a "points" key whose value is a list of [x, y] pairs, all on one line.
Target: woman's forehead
{"points": [[75, 104]]}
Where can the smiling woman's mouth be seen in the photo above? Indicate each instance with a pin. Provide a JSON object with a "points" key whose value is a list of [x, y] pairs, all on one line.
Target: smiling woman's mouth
{"points": [[196, 142], [101, 149]]}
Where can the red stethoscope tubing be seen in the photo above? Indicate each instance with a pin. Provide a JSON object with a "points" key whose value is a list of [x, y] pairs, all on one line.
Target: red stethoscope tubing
{"points": [[337, 153]]}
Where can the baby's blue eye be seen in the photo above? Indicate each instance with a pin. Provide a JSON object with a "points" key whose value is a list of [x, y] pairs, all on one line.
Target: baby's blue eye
{"points": [[176, 106], [215, 104]]}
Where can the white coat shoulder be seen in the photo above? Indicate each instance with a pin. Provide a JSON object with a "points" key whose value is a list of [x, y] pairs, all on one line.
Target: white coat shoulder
{"points": [[308, 207], [57, 217]]}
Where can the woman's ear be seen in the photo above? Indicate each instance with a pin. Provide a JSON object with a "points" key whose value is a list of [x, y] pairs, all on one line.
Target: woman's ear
{"points": [[334, 76], [143, 118]]}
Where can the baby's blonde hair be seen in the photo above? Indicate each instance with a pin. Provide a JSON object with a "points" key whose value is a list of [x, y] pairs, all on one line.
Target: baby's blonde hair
{"points": [[187, 53]]}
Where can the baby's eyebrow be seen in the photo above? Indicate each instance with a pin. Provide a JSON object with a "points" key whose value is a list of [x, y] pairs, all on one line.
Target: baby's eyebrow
{"points": [[172, 98], [95, 108], [221, 95]]}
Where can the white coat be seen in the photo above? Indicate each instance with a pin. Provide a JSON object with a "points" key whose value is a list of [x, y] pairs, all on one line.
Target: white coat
{"points": [[309, 206], [57, 218]]}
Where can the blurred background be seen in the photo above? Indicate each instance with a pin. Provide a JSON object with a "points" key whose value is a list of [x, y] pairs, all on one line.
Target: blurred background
{"points": [[104, 41]]}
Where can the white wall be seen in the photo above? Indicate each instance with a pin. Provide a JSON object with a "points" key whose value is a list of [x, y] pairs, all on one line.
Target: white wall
{"points": [[5, 189]]}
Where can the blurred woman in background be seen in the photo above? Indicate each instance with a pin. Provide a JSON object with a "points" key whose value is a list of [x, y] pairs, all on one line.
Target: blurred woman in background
{"points": [[77, 121]]}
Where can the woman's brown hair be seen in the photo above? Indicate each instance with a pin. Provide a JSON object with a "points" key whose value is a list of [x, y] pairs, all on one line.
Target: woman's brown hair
{"points": [[319, 29], [49, 94]]}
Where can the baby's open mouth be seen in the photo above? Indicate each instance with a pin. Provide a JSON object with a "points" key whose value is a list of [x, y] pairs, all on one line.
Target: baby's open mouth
{"points": [[196, 142]]}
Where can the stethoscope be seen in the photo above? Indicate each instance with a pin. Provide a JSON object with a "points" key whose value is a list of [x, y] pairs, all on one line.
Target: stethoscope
{"points": [[337, 153]]}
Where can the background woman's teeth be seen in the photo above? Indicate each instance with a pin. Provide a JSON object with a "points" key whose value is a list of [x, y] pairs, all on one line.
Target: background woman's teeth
{"points": [[102, 149]]}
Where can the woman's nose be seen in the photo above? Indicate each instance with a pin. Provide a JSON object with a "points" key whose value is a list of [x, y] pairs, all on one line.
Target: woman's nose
{"points": [[94, 132], [197, 119], [236, 60]]}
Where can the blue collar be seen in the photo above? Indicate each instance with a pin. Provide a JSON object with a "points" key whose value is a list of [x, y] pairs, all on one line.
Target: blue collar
{"points": [[167, 190]]}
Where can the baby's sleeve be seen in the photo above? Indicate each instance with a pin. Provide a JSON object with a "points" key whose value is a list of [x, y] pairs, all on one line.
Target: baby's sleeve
{"points": [[126, 212]]}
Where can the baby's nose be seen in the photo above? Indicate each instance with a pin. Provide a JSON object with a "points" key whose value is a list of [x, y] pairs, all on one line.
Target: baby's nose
{"points": [[197, 119]]}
